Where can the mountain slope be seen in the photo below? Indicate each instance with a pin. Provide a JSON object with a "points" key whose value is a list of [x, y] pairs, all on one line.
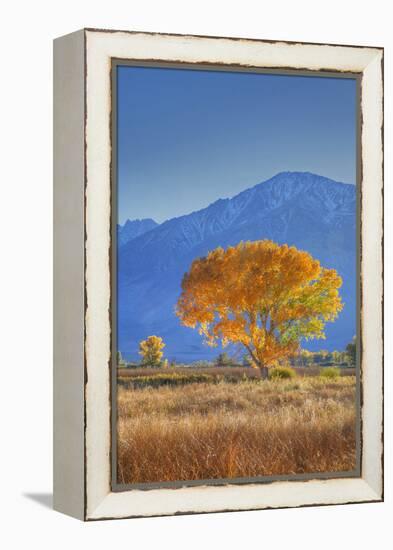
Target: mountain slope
{"points": [[311, 212], [134, 228]]}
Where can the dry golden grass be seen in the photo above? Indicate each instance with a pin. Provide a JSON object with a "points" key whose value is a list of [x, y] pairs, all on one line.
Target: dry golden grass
{"points": [[252, 428]]}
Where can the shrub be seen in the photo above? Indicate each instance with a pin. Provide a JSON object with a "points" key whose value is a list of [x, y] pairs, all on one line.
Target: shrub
{"points": [[292, 387], [168, 378], [280, 373], [330, 372], [158, 380]]}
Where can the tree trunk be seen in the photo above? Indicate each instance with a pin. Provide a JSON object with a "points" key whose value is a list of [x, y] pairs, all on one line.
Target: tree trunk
{"points": [[264, 373]]}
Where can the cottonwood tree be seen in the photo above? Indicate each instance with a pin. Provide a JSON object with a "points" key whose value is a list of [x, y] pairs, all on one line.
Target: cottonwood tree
{"points": [[262, 295], [119, 360], [151, 351], [223, 360], [307, 357], [336, 356], [351, 352]]}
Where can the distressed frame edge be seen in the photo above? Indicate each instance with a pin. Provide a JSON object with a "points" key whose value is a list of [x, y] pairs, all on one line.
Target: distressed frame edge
{"points": [[372, 270], [362, 493], [236, 38], [69, 489], [375, 493]]}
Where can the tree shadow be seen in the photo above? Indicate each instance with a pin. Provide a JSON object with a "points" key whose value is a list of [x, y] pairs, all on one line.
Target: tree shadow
{"points": [[45, 499]]}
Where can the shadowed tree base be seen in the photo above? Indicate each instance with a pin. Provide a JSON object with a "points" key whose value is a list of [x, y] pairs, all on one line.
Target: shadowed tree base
{"points": [[264, 372]]}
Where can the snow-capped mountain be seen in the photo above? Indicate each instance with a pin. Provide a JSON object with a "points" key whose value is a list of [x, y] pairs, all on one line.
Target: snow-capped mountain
{"points": [[309, 211], [133, 228]]}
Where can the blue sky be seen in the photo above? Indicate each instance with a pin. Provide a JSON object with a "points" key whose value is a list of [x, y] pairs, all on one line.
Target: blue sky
{"points": [[188, 137]]}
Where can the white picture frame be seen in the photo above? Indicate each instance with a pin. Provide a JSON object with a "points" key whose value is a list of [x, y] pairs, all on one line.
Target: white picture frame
{"points": [[82, 253]]}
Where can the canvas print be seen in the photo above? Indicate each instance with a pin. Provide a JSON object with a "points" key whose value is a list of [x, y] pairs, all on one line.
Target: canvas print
{"points": [[235, 275]]}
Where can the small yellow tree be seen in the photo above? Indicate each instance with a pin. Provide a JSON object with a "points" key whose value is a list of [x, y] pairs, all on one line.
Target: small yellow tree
{"points": [[262, 295], [151, 351]]}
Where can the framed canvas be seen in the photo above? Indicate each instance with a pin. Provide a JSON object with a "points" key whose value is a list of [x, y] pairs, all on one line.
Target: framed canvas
{"points": [[218, 267]]}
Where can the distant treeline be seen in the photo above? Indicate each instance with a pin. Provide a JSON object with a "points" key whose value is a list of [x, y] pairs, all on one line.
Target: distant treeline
{"points": [[304, 358]]}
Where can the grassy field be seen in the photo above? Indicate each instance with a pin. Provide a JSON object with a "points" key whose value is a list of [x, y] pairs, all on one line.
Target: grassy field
{"points": [[125, 374], [243, 428]]}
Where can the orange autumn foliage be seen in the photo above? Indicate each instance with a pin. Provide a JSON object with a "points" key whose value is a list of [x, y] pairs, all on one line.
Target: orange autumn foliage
{"points": [[262, 295]]}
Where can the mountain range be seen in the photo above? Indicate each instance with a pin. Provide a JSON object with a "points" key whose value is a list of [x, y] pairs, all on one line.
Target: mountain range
{"points": [[132, 229], [312, 212]]}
